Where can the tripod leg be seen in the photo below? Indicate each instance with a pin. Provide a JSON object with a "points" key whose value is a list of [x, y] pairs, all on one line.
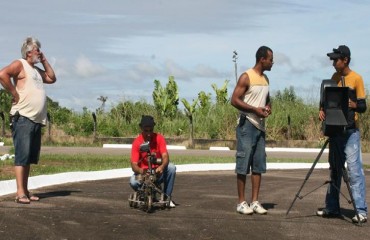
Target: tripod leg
{"points": [[308, 175], [340, 192]]}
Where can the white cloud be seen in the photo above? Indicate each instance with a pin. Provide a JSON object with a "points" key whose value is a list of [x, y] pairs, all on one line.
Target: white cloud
{"points": [[205, 71], [116, 48], [173, 69], [85, 68], [146, 69]]}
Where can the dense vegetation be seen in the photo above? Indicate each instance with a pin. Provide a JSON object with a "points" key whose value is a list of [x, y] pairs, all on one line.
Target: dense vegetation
{"points": [[206, 117]]}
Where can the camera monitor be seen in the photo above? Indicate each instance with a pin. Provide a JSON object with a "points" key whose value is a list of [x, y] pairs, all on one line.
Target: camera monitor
{"points": [[334, 100]]}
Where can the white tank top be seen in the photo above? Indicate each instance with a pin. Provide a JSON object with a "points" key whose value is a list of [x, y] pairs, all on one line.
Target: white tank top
{"points": [[256, 96], [32, 97]]}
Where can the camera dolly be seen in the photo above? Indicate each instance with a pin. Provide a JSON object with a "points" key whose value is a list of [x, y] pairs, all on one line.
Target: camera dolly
{"points": [[150, 194]]}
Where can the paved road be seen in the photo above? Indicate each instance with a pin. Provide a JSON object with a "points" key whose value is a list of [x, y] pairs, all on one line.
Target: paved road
{"points": [[207, 201], [206, 210]]}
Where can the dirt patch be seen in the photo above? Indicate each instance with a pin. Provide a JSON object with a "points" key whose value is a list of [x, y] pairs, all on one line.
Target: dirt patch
{"points": [[6, 171]]}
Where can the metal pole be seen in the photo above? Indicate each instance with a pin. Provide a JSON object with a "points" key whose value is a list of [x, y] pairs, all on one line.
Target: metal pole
{"points": [[235, 57], [94, 118], [49, 125], [3, 124]]}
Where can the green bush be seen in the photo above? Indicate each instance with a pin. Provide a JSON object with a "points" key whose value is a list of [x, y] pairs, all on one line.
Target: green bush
{"points": [[291, 118]]}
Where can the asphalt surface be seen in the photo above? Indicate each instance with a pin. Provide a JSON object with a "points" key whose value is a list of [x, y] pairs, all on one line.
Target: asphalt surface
{"points": [[206, 210], [206, 207]]}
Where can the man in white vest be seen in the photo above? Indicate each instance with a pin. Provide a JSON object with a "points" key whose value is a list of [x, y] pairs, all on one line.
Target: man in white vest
{"points": [[28, 112], [251, 97]]}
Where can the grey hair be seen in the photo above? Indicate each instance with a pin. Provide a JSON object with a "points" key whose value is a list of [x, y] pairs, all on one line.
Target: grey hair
{"points": [[28, 44]]}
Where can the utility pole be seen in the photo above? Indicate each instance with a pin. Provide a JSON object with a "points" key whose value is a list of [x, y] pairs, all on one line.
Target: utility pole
{"points": [[235, 57]]}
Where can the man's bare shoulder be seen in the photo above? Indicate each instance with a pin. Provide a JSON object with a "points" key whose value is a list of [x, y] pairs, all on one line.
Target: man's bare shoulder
{"points": [[14, 68], [244, 79]]}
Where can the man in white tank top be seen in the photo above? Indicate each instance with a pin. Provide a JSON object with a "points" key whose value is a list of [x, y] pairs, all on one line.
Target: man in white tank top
{"points": [[28, 110], [251, 98]]}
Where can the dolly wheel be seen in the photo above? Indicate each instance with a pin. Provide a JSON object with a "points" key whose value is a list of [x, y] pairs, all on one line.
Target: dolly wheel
{"points": [[131, 200], [149, 203]]}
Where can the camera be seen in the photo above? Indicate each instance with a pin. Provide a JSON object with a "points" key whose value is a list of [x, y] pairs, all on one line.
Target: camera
{"points": [[145, 147], [334, 101]]}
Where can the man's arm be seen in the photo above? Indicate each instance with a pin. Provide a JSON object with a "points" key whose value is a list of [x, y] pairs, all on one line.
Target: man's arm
{"points": [[360, 105], [268, 107], [136, 169], [236, 99], [135, 155], [162, 147], [8, 72], [48, 74], [165, 162]]}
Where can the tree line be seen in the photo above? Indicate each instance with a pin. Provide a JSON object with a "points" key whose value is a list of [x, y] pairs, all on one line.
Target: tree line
{"points": [[206, 116]]}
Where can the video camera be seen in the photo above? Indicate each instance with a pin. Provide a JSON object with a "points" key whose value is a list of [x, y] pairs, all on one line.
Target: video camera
{"points": [[145, 197], [334, 101], [145, 147]]}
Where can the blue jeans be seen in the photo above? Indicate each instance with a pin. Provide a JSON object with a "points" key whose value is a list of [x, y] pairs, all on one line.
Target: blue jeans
{"points": [[346, 148], [167, 177], [250, 149]]}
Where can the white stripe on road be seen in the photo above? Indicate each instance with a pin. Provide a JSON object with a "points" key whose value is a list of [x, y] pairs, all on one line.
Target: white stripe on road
{"points": [[9, 186]]}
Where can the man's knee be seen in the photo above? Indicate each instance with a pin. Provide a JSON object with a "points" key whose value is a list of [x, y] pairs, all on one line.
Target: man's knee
{"points": [[135, 184], [171, 168], [256, 173]]}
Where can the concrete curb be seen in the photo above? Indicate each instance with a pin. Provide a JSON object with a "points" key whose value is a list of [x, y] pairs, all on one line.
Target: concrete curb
{"points": [[128, 146], [298, 150], [9, 186]]}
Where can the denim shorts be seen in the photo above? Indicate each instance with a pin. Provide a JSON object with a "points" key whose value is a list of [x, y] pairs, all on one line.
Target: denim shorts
{"points": [[250, 149], [26, 140]]}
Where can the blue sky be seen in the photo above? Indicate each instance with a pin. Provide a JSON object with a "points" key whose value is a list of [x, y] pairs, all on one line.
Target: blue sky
{"points": [[116, 48]]}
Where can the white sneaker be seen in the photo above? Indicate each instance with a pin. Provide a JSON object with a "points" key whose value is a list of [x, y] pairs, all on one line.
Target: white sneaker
{"points": [[172, 204], [244, 208], [363, 219], [257, 208]]}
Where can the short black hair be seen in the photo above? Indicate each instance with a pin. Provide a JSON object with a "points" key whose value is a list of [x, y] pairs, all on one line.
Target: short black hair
{"points": [[262, 52]]}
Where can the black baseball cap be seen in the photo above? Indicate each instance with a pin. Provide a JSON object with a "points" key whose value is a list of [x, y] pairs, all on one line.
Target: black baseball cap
{"points": [[341, 52], [147, 121]]}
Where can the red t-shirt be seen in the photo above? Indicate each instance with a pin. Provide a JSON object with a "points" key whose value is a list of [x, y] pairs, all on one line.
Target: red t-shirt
{"points": [[157, 145]]}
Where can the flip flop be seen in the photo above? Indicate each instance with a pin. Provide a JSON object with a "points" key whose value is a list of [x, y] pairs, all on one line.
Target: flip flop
{"points": [[22, 199], [33, 198]]}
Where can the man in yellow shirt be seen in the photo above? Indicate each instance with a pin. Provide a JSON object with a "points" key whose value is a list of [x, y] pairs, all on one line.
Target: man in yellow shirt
{"points": [[346, 144]]}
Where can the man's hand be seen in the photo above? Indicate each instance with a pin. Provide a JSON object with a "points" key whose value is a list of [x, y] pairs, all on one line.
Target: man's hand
{"points": [[262, 112], [42, 57], [352, 104], [321, 115], [268, 110], [15, 98], [159, 170]]}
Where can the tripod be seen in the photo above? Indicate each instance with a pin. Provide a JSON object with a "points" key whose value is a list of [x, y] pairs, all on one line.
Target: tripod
{"points": [[336, 161]]}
